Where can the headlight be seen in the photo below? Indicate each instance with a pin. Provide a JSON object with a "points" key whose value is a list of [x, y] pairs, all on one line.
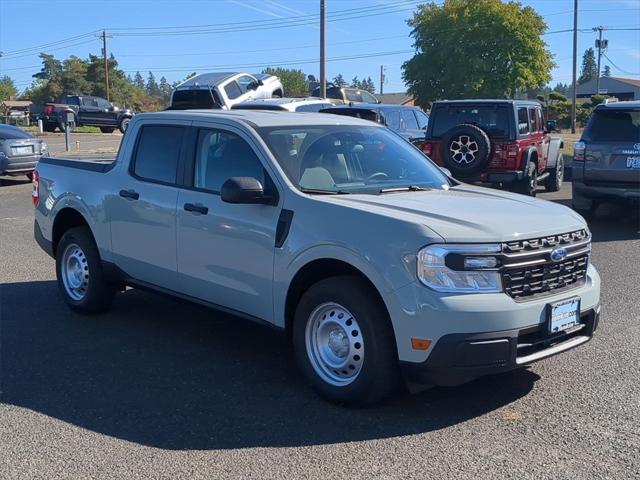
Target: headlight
{"points": [[460, 268]]}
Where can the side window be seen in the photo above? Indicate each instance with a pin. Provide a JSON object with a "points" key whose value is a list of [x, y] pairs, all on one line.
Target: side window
{"points": [[221, 155], [353, 95], [540, 120], [532, 120], [392, 118], [89, 102], [423, 119], [70, 100], [523, 121], [158, 152], [232, 89], [102, 103], [409, 119], [244, 82], [368, 98]]}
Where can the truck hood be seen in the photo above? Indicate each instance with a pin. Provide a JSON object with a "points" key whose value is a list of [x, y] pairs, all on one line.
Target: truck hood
{"points": [[471, 214]]}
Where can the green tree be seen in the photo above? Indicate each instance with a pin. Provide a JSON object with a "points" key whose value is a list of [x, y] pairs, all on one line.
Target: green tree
{"points": [[152, 86], [339, 81], [355, 82], [294, 82], [607, 71], [589, 69], [7, 88], [74, 77], [138, 81], [165, 89], [476, 49], [368, 85]]}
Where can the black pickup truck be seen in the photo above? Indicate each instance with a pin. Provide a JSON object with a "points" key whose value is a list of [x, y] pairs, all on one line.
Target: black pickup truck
{"points": [[85, 110]]}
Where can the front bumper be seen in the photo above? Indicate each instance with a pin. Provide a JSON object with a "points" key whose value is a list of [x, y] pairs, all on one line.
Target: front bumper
{"points": [[18, 165], [459, 358]]}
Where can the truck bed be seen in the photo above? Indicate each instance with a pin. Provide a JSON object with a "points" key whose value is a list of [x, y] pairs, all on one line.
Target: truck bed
{"points": [[92, 165]]}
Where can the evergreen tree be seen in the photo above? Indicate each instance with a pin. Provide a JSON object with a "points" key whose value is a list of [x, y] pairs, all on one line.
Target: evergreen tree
{"points": [[355, 83], [152, 86], [589, 70], [607, 71], [165, 88], [339, 81], [368, 85], [138, 81]]}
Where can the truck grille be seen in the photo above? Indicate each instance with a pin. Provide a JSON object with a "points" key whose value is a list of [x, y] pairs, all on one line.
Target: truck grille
{"points": [[528, 269]]}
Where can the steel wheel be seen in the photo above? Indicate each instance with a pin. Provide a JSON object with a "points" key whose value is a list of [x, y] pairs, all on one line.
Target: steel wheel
{"points": [[464, 150], [334, 344], [75, 272]]}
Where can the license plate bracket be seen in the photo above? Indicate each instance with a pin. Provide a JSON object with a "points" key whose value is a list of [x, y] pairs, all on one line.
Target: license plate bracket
{"points": [[563, 315]]}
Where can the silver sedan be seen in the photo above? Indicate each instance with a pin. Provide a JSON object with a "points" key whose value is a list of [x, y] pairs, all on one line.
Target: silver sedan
{"points": [[19, 151]]}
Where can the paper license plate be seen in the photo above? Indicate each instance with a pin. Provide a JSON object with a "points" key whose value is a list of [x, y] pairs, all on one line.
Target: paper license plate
{"points": [[564, 315]]}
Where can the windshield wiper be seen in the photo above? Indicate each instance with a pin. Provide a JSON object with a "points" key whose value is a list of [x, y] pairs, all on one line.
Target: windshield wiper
{"points": [[317, 191], [408, 188]]}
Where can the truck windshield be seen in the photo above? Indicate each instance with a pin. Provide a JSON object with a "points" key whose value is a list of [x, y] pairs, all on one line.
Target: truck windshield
{"points": [[350, 159], [614, 125], [493, 120]]}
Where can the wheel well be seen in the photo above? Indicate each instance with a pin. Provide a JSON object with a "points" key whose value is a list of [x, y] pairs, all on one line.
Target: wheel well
{"points": [[65, 219], [312, 273], [278, 93]]}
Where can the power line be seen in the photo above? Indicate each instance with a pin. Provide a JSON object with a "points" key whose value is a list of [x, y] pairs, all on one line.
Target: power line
{"points": [[48, 50], [50, 44], [617, 67]]}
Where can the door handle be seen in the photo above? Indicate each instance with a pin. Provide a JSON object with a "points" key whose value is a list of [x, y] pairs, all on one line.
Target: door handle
{"points": [[130, 194], [196, 208]]}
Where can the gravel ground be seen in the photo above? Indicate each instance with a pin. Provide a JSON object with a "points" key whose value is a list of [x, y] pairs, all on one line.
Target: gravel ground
{"points": [[162, 389]]}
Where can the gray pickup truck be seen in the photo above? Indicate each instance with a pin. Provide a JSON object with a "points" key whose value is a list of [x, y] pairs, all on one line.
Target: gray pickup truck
{"points": [[376, 264]]}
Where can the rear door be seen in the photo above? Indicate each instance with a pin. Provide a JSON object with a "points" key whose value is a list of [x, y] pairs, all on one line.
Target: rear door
{"points": [[410, 125], [106, 113], [89, 112], [143, 208], [537, 137], [612, 154]]}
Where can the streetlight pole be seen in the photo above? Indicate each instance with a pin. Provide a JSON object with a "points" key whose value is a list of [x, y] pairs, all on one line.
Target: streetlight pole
{"points": [[323, 73], [575, 65]]}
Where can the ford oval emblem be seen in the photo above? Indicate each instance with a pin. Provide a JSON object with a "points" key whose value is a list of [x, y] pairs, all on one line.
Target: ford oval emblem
{"points": [[559, 254], [636, 146]]}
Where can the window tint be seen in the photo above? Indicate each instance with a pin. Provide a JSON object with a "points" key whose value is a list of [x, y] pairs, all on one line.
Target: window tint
{"points": [[392, 117], [532, 120], [492, 119], [70, 100], [232, 90], [523, 121], [614, 125], [539, 120], [423, 119], [158, 152], [221, 155], [89, 102], [409, 120], [196, 98], [102, 103]]}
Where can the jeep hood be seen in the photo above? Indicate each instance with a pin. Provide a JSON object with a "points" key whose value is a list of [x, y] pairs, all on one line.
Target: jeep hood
{"points": [[471, 214]]}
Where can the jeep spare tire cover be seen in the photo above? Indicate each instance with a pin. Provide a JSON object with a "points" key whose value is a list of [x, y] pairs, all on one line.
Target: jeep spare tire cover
{"points": [[465, 150]]}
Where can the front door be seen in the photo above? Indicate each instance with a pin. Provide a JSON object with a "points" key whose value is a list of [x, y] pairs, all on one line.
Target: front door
{"points": [[142, 209], [225, 251]]}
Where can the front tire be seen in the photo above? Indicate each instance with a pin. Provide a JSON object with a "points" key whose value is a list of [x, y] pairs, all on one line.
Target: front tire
{"points": [[124, 123], [81, 279], [554, 181], [107, 129], [529, 184], [344, 342]]}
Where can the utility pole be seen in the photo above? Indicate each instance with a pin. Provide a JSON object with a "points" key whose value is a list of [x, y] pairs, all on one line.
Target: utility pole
{"points": [[575, 65], [323, 73], [104, 37], [381, 78], [600, 45]]}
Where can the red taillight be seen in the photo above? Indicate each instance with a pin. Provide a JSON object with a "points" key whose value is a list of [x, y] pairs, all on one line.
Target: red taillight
{"points": [[579, 150], [426, 149], [35, 194], [48, 109], [512, 150]]}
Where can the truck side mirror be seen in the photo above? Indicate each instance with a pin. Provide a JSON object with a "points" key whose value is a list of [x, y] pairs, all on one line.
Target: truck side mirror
{"points": [[246, 190]]}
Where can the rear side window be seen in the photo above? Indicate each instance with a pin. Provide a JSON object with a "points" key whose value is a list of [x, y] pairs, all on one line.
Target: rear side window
{"points": [[158, 152], [353, 95], [313, 107], [532, 120], [614, 125], [492, 119], [523, 121], [70, 101], [409, 120], [392, 117], [233, 90], [423, 119]]}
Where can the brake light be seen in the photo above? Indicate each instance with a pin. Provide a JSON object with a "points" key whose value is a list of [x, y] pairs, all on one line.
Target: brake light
{"points": [[35, 194], [426, 149], [512, 150], [48, 109], [578, 151]]}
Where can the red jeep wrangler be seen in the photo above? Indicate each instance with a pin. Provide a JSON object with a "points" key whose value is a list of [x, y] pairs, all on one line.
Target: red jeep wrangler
{"points": [[502, 142]]}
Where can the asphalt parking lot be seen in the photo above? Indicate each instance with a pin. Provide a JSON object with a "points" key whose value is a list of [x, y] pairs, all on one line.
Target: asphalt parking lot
{"points": [[162, 389], [83, 143]]}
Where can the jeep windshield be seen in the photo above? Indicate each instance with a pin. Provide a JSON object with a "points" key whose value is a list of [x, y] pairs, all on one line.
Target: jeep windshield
{"points": [[345, 159], [492, 119]]}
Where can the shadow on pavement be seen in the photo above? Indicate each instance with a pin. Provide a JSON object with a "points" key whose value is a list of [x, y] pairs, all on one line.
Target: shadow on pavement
{"points": [[171, 375], [8, 181]]}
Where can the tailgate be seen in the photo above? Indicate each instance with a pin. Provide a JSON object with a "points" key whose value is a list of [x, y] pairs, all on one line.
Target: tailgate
{"points": [[612, 163]]}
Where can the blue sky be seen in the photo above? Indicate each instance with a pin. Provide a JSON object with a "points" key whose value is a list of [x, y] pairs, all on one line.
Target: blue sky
{"points": [[144, 35]]}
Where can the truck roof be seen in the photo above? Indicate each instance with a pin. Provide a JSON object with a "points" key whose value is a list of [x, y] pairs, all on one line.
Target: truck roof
{"points": [[490, 100], [256, 118], [624, 105]]}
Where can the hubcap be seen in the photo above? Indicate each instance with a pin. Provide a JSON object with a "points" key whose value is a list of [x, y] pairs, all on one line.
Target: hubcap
{"points": [[334, 344], [75, 272], [463, 150]]}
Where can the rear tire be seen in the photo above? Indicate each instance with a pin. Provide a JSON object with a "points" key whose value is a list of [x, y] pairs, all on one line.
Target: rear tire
{"points": [[554, 181], [344, 342], [107, 129], [124, 123], [81, 279], [529, 184]]}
